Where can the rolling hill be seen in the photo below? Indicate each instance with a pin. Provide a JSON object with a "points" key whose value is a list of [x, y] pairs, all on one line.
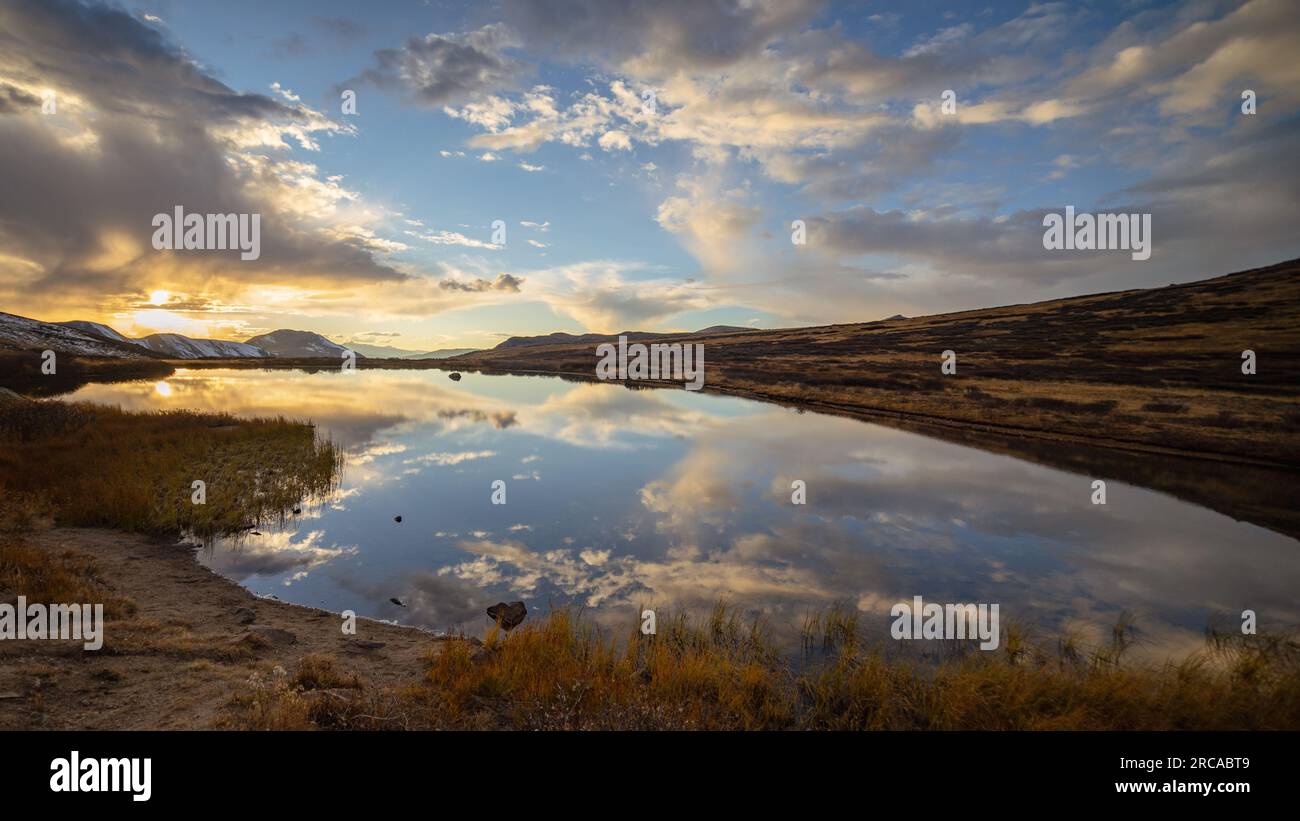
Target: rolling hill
{"points": [[302, 344], [21, 333]]}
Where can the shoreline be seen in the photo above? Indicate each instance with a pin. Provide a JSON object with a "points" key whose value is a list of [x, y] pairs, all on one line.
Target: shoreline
{"points": [[192, 645], [201, 652]]}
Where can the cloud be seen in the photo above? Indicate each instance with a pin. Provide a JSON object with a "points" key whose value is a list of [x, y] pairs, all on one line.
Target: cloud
{"points": [[78, 205], [939, 40], [615, 141], [764, 112], [666, 36], [439, 69], [340, 29], [452, 238], [713, 224], [503, 282], [1193, 68], [602, 296]]}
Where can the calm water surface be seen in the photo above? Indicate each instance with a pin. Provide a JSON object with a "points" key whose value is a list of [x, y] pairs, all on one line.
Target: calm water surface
{"points": [[618, 498]]}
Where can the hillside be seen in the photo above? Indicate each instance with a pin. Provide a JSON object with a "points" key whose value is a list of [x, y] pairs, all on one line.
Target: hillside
{"points": [[1156, 370], [95, 329], [561, 338], [380, 351], [18, 333], [289, 343], [176, 346], [94, 339], [442, 353]]}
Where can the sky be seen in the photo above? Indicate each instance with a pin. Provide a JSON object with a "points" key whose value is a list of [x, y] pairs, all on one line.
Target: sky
{"points": [[515, 168]]}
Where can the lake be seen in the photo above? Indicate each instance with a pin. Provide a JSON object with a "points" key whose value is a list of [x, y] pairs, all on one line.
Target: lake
{"points": [[619, 499]]}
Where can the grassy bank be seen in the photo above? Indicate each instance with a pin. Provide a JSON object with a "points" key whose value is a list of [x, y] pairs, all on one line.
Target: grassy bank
{"points": [[94, 466], [722, 673]]}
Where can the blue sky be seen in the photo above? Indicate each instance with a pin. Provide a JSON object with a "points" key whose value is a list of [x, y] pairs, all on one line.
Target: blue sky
{"points": [[378, 224]]}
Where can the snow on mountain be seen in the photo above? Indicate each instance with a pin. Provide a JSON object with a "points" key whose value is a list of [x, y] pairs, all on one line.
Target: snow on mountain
{"points": [[29, 334], [95, 329], [177, 346], [285, 342]]}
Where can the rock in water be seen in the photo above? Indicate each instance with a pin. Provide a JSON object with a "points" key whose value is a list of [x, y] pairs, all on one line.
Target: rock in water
{"points": [[509, 616], [397, 519], [397, 601], [454, 377]]}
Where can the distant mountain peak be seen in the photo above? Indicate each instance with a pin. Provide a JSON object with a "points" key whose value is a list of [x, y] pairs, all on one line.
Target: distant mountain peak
{"points": [[286, 342], [726, 329], [95, 329]]}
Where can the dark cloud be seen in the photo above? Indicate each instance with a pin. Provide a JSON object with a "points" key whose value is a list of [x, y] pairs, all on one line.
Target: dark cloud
{"points": [[140, 129], [675, 33], [438, 69], [503, 282], [341, 29], [13, 100], [337, 30]]}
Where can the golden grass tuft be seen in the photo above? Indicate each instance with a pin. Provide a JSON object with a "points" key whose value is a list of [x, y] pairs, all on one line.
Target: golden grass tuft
{"points": [[95, 466], [44, 577]]}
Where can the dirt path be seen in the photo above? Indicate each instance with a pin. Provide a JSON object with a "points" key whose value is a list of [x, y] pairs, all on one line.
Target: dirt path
{"points": [[193, 644]]}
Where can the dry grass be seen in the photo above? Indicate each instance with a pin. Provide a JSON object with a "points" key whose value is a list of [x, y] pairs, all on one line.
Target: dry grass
{"points": [[174, 639], [721, 673], [95, 466], [45, 577]]}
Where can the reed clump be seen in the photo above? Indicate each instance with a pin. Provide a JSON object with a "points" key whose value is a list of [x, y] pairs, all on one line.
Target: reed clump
{"points": [[95, 466]]}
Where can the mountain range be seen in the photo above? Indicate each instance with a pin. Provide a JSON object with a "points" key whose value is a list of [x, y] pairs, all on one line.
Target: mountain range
{"points": [[98, 340], [95, 339]]}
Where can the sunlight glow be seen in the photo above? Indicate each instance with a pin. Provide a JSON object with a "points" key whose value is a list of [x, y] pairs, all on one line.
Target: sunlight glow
{"points": [[164, 321], [159, 297]]}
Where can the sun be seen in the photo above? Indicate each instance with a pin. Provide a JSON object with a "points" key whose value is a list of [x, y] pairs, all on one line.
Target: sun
{"points": [[159, 297]]}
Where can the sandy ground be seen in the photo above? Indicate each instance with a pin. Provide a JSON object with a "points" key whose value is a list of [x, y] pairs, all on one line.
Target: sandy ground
{"points": [[181, 674]]}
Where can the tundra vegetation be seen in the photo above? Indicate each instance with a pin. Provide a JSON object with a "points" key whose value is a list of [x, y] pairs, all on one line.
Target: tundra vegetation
{"points": [[722, 672]]}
